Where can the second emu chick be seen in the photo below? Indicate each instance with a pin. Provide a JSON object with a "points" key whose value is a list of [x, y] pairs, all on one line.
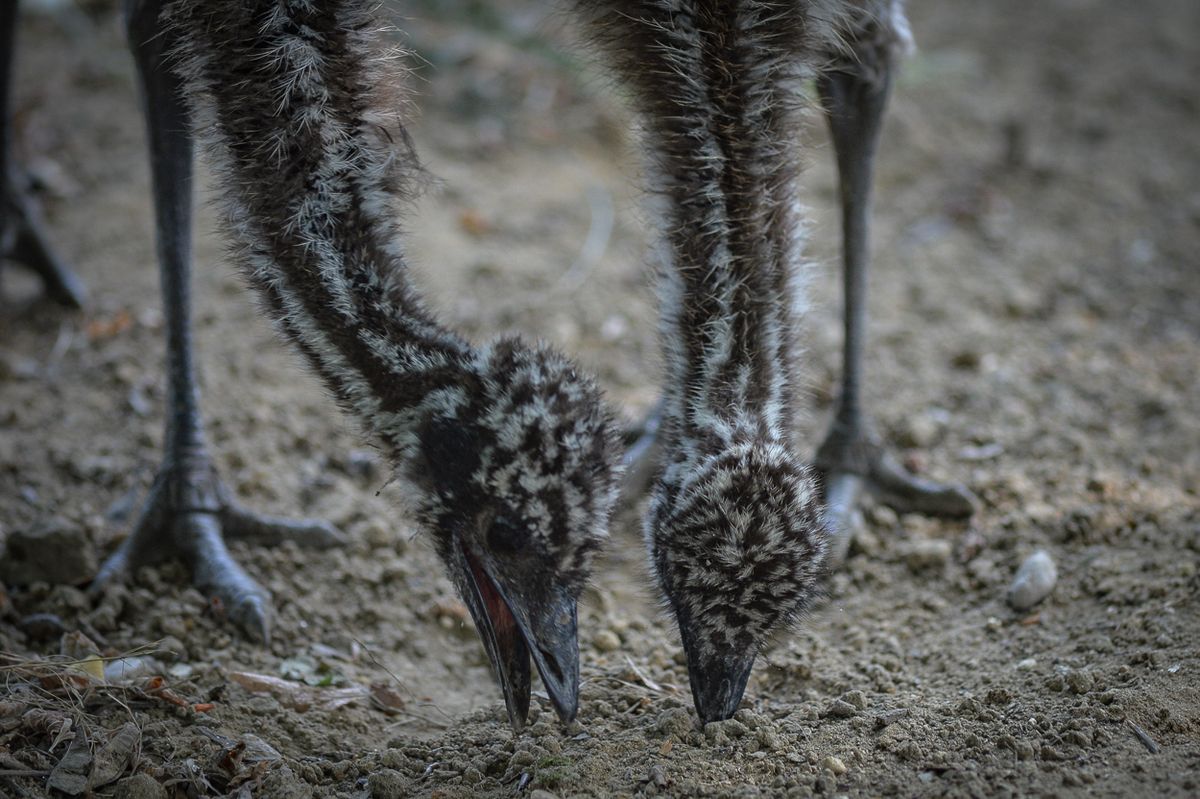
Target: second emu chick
{"points": [[736, 530]]}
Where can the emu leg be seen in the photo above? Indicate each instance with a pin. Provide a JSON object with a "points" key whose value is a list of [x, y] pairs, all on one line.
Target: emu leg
{"points": [[643, 453], [22, 236], [852, 457], [189, 510]]}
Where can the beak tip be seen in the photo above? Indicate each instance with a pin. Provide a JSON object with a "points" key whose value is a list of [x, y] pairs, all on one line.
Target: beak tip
{"points": [[709, 713], [567, 714], [718, 686]]}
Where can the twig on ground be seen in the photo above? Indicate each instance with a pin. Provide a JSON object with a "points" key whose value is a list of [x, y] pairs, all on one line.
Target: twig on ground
{"points": [[1143, 736]]}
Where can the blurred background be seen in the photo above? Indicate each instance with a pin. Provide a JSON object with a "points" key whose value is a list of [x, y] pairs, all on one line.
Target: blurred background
{"points": [[1035, 333]]}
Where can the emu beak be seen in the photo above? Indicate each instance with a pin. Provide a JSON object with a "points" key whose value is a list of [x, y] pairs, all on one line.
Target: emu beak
{"points": [[718, 678], [538, 621]]}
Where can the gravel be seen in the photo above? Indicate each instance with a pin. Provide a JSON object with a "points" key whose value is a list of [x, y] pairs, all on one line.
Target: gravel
{"points": [[1034, 581]]}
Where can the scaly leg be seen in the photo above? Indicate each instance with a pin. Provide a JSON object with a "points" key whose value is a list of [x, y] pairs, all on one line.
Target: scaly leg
{"points": [[22, 236], [852, 456], [643, 452], [189, 508]]}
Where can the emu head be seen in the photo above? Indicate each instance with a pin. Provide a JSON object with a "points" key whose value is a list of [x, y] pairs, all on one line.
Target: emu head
{"points": [[518, 475], [738, 548]]}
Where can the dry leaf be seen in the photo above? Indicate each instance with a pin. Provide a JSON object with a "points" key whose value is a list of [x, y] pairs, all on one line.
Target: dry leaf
{"points": [[386, 698], [157, 687], [93, 667], [114, 757], [70, 680], [70, 775]]}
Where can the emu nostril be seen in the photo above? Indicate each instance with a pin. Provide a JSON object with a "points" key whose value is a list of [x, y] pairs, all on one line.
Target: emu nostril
{"points": [[551, 663]]}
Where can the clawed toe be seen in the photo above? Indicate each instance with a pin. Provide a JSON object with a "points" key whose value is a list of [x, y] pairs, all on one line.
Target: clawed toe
{"points": [[188, 515], [854, 465], [246, 525], [217, 574], [25, 241], [893, 485], [843, 518]]}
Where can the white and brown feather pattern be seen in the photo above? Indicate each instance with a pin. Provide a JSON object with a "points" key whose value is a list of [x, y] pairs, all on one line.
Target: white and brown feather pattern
{"points": [[739, 551], [298, 102]]}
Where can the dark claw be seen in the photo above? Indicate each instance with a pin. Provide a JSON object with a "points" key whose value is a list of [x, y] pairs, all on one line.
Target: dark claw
{"points": [[217, 574], [253, 615], [116, 567]]}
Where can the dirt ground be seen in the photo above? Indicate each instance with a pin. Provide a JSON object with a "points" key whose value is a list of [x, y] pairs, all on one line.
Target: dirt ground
{"points": [[1035, 334]]}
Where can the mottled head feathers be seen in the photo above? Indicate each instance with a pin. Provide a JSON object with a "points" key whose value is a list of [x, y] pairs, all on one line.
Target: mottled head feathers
{"points": [[527, 458], [739, 545]]}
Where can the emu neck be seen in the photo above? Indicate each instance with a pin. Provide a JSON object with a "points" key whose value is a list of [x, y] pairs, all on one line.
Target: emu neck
{"points": [[312, 171], [717, 85]]}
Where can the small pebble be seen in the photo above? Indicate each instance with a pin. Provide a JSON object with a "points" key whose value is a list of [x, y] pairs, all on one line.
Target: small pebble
{"points": [[1080, 682], [834, 764], [748, 717], [606, 641], [865, 542], [890, 717], [883, 517], [840, 709], [730, 728], [128, 668], [920, 432], [856, 698], [1027, 664], [768, 740], [929, 553], [174, 625], [910, 750], [1034, 581]]}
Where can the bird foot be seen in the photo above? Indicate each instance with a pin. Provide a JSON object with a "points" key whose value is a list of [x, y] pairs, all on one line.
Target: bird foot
{"points": [[188, 515], [23, 240], [852, 464]]}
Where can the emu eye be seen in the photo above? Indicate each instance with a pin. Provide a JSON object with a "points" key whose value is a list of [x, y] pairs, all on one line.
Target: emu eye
{"points": [[503, 537]]}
